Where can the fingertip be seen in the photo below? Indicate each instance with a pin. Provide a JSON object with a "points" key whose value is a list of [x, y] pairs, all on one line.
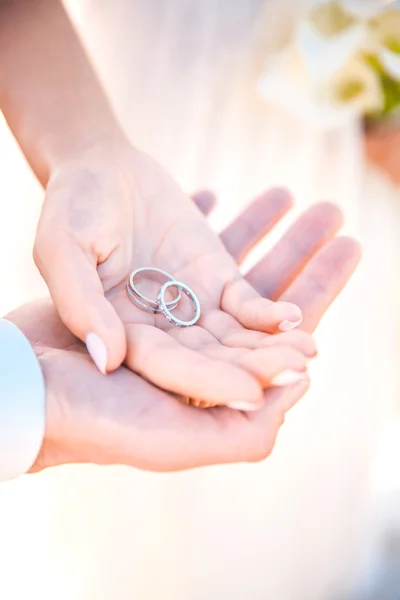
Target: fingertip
{"points": [[351, 247], [291, 316], [288, 325], [289, 377], [280, 196], [116, 345], [98, 351], [245, 406], [101, 329], [107, 353], [327, 213]]}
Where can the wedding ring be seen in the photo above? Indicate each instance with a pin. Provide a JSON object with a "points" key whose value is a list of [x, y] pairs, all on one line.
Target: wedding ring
{"points": [[143, 301], [163, 306]]}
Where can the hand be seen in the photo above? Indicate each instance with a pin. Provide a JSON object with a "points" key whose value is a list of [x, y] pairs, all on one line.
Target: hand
{"points": [[110, 211], [123, 419]]}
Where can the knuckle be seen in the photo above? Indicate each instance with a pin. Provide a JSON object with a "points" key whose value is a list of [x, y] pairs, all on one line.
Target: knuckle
{"points": [[316, 284]]}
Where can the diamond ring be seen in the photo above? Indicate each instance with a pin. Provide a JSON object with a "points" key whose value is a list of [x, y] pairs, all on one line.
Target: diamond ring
{"points": [[164, 309], [143, 301]]}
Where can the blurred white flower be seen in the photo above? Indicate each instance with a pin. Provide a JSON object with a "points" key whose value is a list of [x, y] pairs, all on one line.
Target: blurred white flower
{"points": [[333, 70], [391, 63], [325, 55], [360, 9], [358, 86], [386, 36], [369, 8], [287, 83]]}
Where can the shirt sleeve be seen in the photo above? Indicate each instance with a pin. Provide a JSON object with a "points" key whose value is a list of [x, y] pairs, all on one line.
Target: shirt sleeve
{"points": [[22, 403]]}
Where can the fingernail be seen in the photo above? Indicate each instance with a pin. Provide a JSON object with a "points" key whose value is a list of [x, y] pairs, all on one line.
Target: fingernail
{"points": [[98, 351], [288, 378], [244, 406], [289, 325]]}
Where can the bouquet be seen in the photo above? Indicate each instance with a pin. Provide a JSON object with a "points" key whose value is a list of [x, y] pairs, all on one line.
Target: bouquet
{"points": [[344, 63]]}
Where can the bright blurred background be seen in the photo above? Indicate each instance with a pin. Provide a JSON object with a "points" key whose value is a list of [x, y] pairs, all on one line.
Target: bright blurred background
{"points": [[238, 96]]}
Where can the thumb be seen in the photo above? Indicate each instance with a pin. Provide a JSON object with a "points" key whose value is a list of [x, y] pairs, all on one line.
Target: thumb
{"points": [[77, 292]]}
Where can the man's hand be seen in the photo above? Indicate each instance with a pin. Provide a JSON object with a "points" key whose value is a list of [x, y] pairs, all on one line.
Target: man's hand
{"points": [[123, 419]]}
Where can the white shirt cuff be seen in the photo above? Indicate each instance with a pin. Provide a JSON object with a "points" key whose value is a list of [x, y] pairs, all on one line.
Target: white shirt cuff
{"points": [[22, 403]]}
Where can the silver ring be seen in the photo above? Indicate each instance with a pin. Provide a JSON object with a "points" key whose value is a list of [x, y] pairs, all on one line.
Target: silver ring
{"points": [[167, 313], [143, 301]]}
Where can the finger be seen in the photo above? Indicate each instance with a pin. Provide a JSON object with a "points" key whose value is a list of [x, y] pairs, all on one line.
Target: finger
{"points": [[221, 435], [243, 303], [265, 424], [228, 332], [77, 292], [273, 367], [161, 359], [255, 222], [279, 268], [181, 437], [205, 201], [323, 279], [298, 339], [278, 400], [267, 363], [252, 437]]}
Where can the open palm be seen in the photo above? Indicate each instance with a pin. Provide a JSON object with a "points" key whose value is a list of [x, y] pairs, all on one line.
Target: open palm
{"points": [[123, 419], [229, 356]]}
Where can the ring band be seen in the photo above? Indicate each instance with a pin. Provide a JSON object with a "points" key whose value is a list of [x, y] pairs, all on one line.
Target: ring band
{"points": [[163, 306], [143, 301], [144, 306]]}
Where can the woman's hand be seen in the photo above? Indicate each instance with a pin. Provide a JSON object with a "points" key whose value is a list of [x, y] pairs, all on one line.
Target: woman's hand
{"points": [[109, 209], [113, 209], [123, 419]]}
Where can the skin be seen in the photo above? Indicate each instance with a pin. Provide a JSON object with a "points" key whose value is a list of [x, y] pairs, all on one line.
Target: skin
{"points": [[110, 209], [124, 419], [228, 356]]}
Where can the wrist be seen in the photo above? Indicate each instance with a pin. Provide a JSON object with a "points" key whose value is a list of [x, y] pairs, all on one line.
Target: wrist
{"points": [[87, 151], [78, 147], [50, 94]]}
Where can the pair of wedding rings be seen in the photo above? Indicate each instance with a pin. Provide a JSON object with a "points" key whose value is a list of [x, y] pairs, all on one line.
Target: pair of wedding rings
{"points": [[160, 305]]}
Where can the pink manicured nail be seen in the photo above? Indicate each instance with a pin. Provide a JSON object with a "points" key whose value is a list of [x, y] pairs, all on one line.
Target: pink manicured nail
{"points": [[289, 325], [244, 406], [98, 351], [288, 378]]}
